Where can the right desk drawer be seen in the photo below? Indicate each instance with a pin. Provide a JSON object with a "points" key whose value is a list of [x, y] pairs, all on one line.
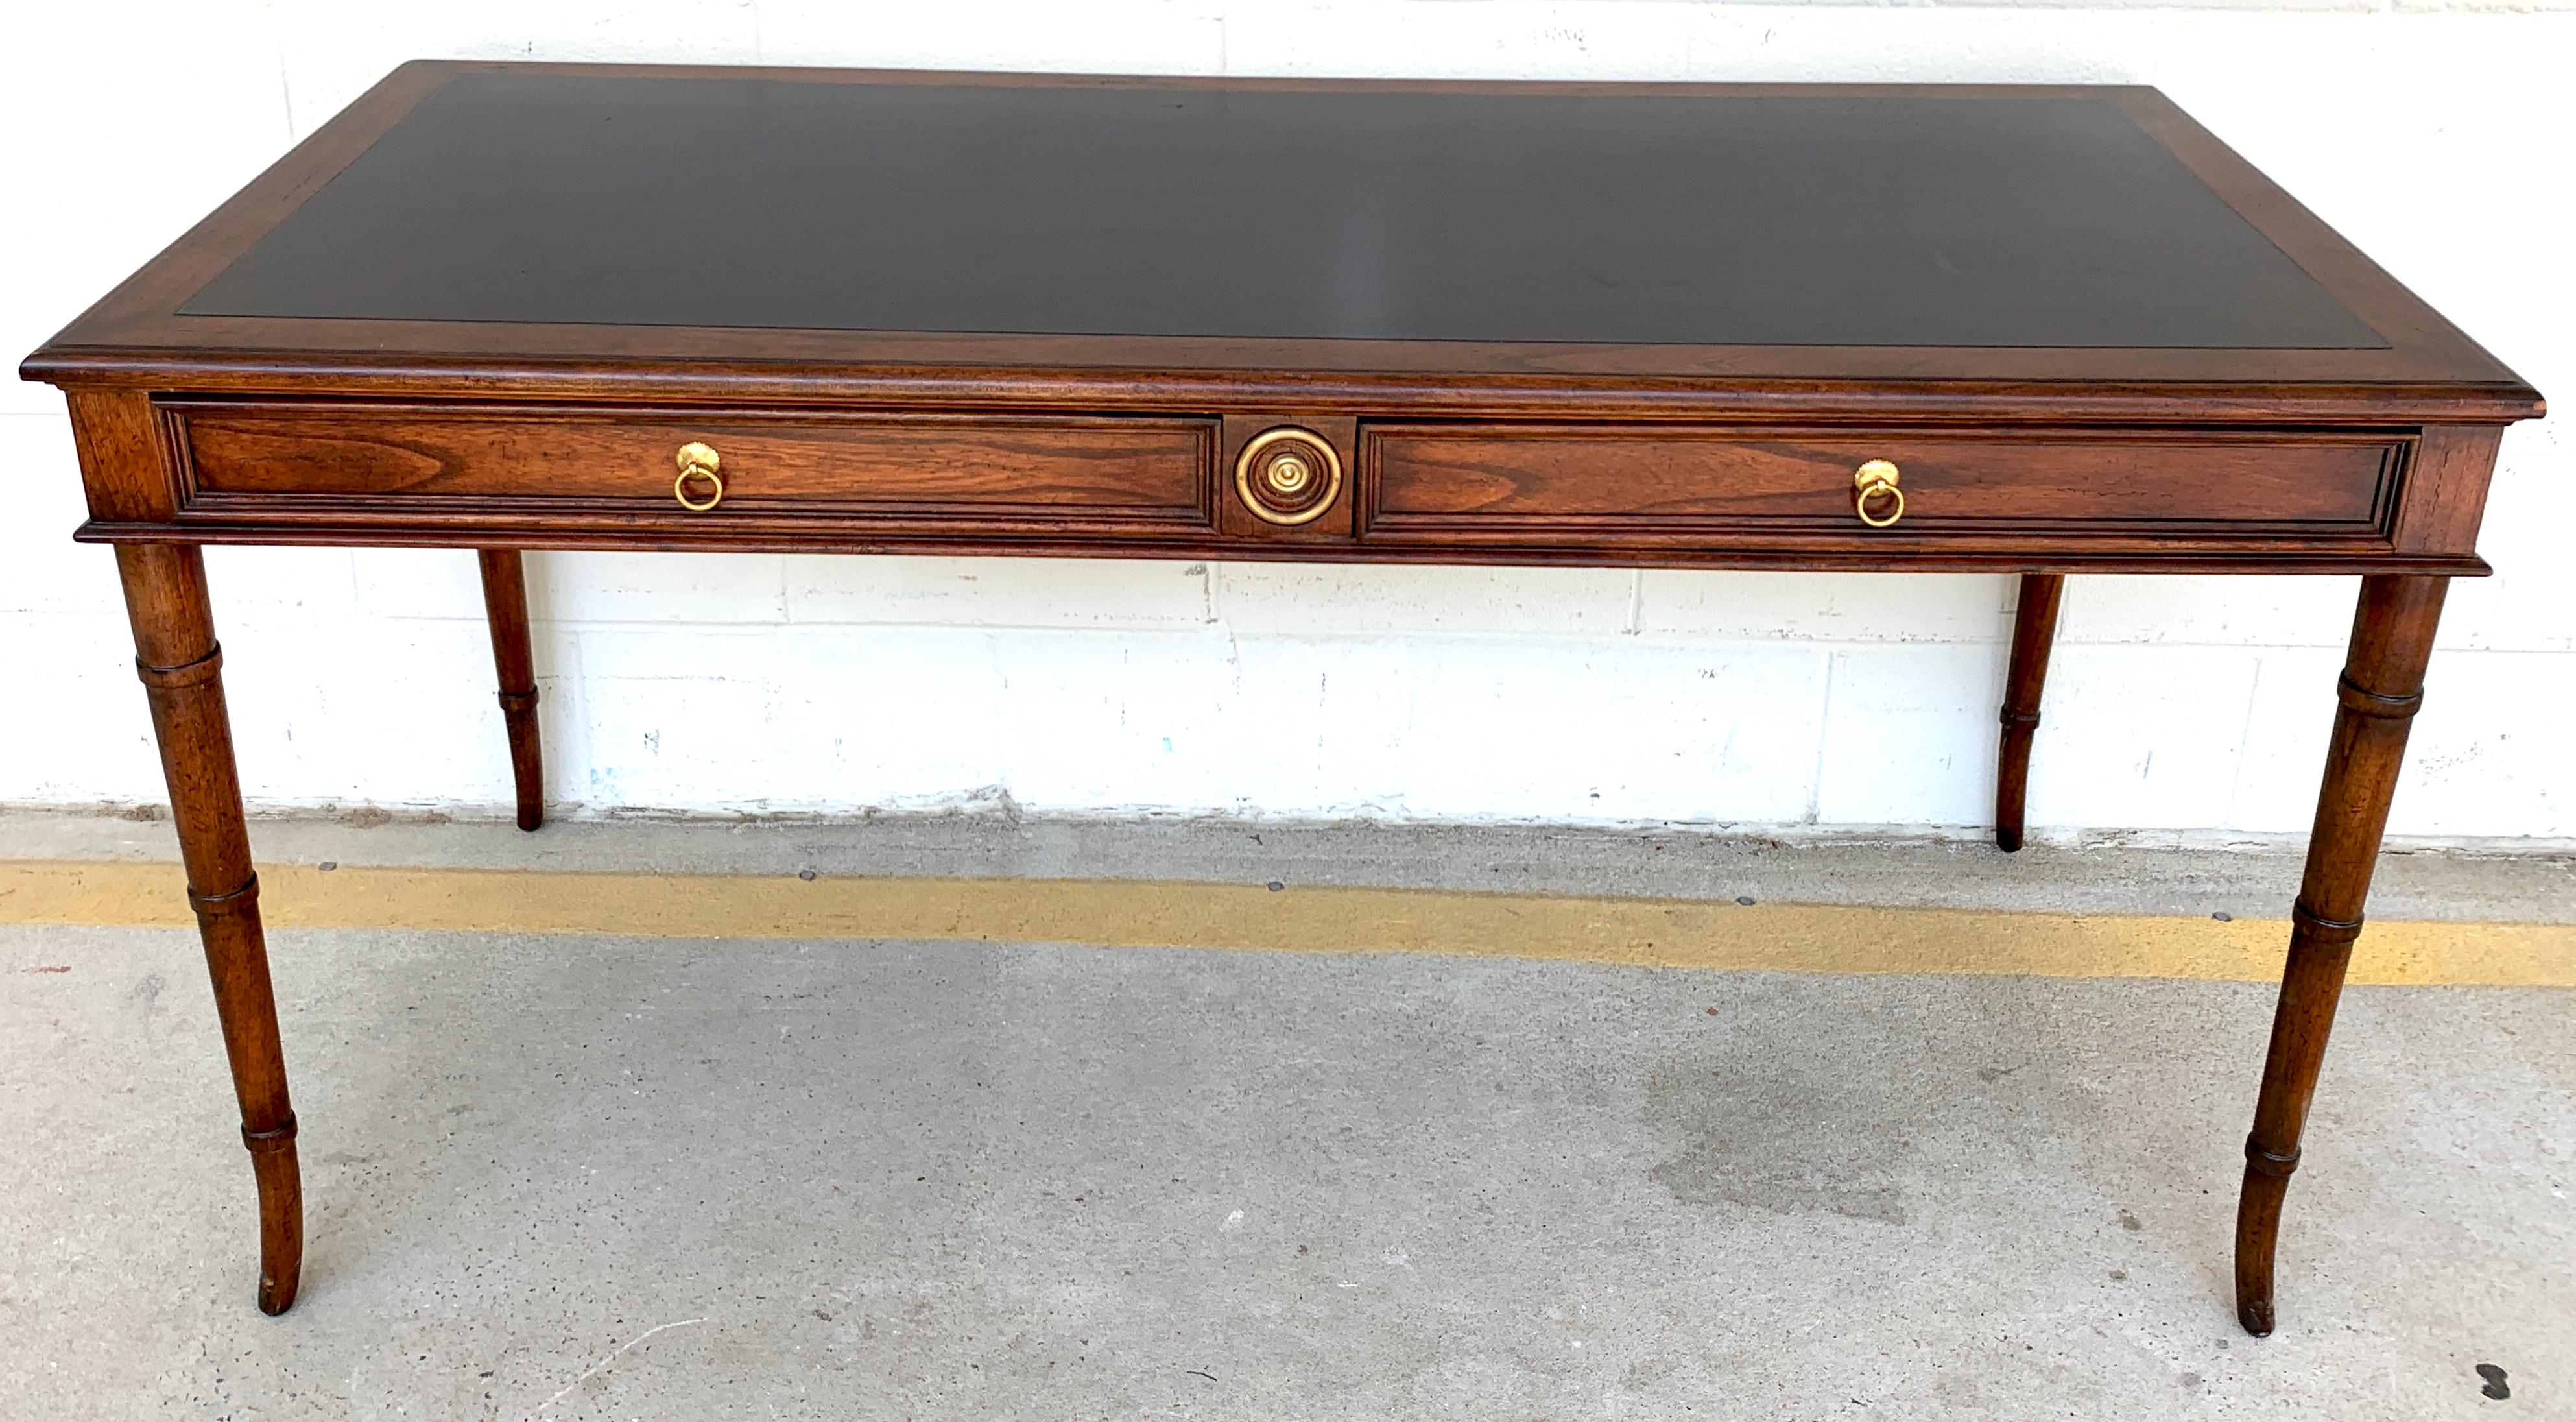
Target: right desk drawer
{"points": [[1539, 484]]}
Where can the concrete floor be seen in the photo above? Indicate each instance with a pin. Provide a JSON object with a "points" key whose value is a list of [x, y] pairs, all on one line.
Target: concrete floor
{"points": [[574, 1177]]}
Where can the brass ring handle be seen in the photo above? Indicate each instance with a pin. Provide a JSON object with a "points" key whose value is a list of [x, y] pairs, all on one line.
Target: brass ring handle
{"points": [[698, 461], [1875, 496]]}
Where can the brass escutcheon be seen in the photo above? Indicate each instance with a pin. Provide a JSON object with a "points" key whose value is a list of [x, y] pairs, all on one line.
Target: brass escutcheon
{"points": [[1874, 488], [698, 461], [1288, 475]]}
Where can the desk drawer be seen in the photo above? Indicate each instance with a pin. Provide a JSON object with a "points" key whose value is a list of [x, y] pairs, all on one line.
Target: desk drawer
{"points": [[894, 470], [1540, 485]]}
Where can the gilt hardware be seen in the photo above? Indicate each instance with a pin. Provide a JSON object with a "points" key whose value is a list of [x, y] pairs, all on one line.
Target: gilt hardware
{"points": [[1288, 475], [698, 462], [1875, 496]]}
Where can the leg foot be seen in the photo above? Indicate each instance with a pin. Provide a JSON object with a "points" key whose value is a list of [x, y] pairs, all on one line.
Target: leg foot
{"points": [[2258, 1228], [181, 667], [2382, 684], [2256, 1317], [281, 1215], [2034, 631], [505, 607]]}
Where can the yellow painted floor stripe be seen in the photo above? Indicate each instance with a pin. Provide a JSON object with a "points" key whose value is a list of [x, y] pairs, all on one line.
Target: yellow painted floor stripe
{"points": [[1667, 933]]}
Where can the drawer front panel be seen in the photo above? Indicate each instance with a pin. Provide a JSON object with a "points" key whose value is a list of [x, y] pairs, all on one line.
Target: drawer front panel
{"points": [[901, 468], [1470, 490], [1549, 482]]}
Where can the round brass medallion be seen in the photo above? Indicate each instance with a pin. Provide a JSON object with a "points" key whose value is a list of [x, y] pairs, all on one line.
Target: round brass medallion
{"points": [[1288, 475]]}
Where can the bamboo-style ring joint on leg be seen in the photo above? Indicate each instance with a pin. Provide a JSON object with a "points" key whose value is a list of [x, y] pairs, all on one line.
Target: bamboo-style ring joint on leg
{"points": [[180, 664], [2361, 701], [505, 609], [244, 899], [2313, 927], [2380, 690], [272, 1140], [2267, 1162], [2025, 677], [186, 674]]}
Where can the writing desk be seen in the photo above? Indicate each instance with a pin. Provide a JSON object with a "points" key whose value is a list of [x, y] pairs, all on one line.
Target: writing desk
{"points": [[2031, 330]]}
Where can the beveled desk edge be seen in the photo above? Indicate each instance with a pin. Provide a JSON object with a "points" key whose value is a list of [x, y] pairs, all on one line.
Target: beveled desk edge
{"points": [[131, 366]]}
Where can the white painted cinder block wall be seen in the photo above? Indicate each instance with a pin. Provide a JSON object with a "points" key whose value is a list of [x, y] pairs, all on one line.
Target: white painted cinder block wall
{"points": [[2439, 137]]}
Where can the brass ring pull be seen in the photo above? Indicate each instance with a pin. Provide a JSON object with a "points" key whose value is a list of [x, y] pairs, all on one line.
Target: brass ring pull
{"points": [[698, 462], [1875, 496]]}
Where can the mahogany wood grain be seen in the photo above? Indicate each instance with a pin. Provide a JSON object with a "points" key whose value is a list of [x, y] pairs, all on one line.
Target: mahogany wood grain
{"points": [[1040, 536], [1240, 527], [505, 608], [123, 470], [1112, 471], [1527, 481], [2025, 677], [1462, 491], [2327, 422], [2381, 687], [180, 663], [931, 371], [2428, 372], [2446, 492]]}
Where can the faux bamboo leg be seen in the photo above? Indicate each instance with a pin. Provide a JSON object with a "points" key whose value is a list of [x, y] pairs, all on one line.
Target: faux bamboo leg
{"points": [[505, 606], [176, 654], [2382, 684], [2034, 632]]}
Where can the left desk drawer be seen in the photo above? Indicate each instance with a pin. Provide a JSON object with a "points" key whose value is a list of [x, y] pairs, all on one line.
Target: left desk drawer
{"points": [[925, 469]]}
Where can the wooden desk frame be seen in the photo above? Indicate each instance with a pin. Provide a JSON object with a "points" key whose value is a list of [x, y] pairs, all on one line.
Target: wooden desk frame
{"points": [[215, 429]]}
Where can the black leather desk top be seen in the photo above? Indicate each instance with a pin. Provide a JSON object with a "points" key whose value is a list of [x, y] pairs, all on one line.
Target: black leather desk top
{"points": [[1870, 219]]}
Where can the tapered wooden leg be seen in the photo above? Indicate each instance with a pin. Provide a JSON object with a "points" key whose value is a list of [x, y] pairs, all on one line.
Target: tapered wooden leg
{"points": [[505, 606], [176, 654], [2382, 684], [2034, 632]]}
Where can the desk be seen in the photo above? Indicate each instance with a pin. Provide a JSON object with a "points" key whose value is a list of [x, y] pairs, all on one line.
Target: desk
{"points": [[2034, 330]]}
